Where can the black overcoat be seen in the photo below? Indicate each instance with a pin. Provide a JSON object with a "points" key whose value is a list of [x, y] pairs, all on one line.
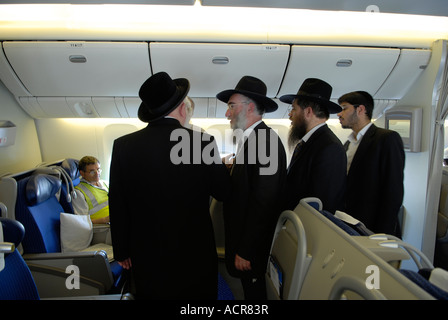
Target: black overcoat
{"points": [[159, 209], [251, 214], [375, 180], [320, 171]]}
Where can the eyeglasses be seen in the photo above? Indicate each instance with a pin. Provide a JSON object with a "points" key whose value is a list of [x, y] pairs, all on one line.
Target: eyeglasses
{"points": [[233, 104], [93, 172]]}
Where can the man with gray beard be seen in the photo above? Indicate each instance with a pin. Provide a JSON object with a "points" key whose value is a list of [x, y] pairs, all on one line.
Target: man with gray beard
{"points": [[318, 165], [258, 177]]}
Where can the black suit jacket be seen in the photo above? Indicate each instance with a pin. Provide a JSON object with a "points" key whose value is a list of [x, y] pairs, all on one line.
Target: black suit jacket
{"points": [[251, 214], [318, 171], [375, 180], [159, 210]]}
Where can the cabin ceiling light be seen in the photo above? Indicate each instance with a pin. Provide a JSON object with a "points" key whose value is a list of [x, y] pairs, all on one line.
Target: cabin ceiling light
{"points": [[210, 23]]}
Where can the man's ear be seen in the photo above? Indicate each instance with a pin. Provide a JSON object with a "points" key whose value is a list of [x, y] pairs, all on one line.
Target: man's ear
{"points": [[183, 112], [251, 107], [308, 111], [361, 110]]}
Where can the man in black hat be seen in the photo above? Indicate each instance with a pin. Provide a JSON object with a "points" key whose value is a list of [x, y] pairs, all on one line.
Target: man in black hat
{"points": [[159, 206], [319, 163], [250, 215]]}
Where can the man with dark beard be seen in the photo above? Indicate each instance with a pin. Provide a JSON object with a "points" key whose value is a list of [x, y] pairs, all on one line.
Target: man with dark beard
{"points": [[319, 163], [376, 162]]}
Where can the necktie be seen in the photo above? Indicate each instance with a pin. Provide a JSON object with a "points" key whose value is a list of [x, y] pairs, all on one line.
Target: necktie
{"points": [[296, 152]]}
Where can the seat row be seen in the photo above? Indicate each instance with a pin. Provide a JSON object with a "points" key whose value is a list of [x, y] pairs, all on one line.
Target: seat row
{"points": [[317, 255], [37, 199], [37, 203]]}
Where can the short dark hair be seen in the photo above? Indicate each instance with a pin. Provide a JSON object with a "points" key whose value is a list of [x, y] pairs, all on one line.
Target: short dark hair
{"points": [[357, 98], [85, 161], [319, 110]]}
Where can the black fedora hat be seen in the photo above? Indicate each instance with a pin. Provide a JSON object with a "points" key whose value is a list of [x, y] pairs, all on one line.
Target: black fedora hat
{"points": [[315, 90], [253, 88], [160, 95]]}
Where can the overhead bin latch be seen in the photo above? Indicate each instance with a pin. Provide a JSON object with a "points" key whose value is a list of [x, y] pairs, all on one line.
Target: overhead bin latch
{"points": [[344, 63], [77, 59], [220, 60]]}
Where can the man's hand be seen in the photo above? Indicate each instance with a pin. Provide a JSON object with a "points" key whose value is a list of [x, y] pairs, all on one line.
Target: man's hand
{"points": [[126, 264], [242, 264], [228, 160]]}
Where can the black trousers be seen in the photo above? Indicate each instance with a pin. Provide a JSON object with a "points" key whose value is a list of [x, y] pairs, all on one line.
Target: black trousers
{"points": [[254, 288]]}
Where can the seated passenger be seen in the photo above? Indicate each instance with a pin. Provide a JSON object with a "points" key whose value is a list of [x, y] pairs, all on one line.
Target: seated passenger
{"points": [[92, 193]]}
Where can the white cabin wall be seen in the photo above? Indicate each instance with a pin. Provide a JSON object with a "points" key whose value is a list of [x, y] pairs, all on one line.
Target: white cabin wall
{"points": [[75, 138], [417, 164], [25, 152]]}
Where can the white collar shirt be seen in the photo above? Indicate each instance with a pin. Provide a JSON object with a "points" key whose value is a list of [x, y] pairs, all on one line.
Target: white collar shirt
{"points": [[246, 134], [354, 143], [308, 135]]}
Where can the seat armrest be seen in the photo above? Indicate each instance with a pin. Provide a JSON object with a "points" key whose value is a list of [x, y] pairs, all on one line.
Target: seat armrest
{"points": [[101, 227], [101, 234], [126, 296], [92, 265], [393, 256], [52, 282]]}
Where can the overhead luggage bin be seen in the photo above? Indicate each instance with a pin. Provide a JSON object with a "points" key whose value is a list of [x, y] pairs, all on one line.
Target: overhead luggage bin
{"points": [[78, 68], [344, 68], [212, 68], [410, 65]]}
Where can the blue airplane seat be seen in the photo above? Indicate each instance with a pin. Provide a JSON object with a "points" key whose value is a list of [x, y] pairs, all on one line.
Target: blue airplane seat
{"points": [[71, 167], [352, 229], [341, 224], [224, 292], [72, 178], [425, 284], [16, 281], [359, 229], [38, 209]]}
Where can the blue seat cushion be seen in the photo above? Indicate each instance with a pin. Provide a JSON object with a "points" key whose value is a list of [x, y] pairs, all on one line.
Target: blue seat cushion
{"points": [[39, 212], [16, 281]]}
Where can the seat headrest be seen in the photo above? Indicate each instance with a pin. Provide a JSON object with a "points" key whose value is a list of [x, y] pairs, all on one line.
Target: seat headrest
{"points": [[13, 231], [46, 170], [40, 187], [71, 167]]}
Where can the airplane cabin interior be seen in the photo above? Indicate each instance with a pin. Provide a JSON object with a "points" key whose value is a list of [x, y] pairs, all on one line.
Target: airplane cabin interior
{"points": [[69, 79]]}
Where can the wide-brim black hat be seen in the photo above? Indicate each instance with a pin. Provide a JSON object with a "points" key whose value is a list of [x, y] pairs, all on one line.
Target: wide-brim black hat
{"points": [[315, 90], [253, 88], [160, 95]]}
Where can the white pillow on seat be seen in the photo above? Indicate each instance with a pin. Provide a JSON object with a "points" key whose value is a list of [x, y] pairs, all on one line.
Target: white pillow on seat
{"points": [[76, 232]]}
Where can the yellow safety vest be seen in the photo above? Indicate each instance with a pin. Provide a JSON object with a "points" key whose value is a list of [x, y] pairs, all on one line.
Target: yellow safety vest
{"points": [[97, 199]]}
